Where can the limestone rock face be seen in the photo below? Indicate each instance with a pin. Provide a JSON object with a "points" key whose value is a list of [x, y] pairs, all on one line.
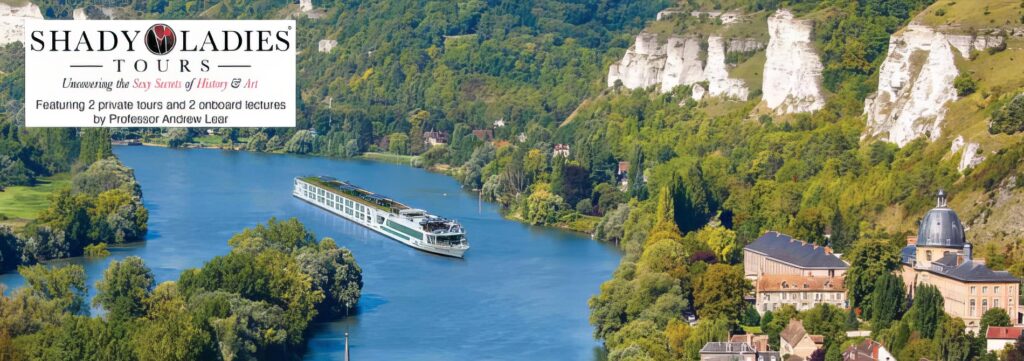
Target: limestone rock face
{"points": [[682, 63], [719, 83], [326, 45], [970, 157], [306, 5], [743, 46], [12, 21], [677, 62], [792, 70], [915, 82], [642, 64]]}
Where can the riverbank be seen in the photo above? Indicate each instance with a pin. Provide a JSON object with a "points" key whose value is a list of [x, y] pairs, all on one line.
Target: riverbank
{"points": [[581, 223]]}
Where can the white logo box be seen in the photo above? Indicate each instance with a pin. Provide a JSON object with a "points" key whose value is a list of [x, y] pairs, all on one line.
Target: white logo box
{"points": [[204, 81]]}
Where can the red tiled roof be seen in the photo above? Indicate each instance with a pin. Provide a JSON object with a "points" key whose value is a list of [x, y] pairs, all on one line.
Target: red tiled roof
{"points": [[1003, 333]]}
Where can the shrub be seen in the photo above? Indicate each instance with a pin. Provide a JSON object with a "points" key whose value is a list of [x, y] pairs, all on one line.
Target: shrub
{"points": [[965, 84], [1009, 118]]}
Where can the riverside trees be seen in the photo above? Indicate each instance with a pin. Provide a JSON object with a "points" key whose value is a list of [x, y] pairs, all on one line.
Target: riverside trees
{"points": [[255, 302]]}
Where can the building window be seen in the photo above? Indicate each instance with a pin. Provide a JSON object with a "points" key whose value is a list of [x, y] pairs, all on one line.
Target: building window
{"points": [[984, 305], [995, 290], [971, 312], [928, 255], [973, 290], [984, 289], [995, 303]]}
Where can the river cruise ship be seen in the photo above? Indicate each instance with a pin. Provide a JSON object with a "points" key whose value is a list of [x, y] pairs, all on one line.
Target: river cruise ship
{"points": [[413, 227]]}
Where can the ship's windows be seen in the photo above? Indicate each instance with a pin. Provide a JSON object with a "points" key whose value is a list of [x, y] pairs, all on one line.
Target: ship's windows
{"points": [[380, 220]]}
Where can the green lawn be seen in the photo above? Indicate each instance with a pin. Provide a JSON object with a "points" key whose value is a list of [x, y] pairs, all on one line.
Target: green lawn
{"points": [[972, 14], [756, 330], [26, 202]]}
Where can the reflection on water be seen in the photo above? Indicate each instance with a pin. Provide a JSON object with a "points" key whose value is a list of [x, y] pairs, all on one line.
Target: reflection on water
{"points": [[520, 293]]}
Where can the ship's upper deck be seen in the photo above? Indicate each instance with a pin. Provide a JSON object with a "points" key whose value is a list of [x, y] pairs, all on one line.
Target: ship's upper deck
{"points": [[353, 192]]}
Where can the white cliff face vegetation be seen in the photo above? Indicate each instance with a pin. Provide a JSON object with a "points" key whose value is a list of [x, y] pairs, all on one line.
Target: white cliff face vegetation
{"points": [[12, 21], [792, 71], [916, 81]]}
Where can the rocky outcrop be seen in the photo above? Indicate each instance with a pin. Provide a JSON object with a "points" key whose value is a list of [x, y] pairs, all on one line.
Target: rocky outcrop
{"points": [[326, 45], [682, 63], [642, 64], [743, 46], [12, 21], [677, 62], [305, 5], [719, 83], [969, 158], [915, 82], [792, 71]]}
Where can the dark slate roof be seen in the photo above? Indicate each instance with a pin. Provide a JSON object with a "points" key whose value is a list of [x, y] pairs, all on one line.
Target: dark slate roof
{"points": [[941, 227], [908, 255], [971, 271], [787, 250]]}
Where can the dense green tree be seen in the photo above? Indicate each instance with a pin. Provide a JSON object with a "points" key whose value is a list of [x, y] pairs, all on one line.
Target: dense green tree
{"points": [[869, 260], [124, 288], [335, 273], [888, 300], [169, 331], [927, 311], [826, 320], [719, 292], [63, 285], [993, 317], [952, 341], [707, 330]]}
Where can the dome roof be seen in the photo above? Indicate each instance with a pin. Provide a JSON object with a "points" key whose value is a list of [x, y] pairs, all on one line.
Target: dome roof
{"points": [[941, 227]]}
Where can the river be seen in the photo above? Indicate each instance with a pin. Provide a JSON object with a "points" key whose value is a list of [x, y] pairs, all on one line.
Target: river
{"points": [[520, 293]]}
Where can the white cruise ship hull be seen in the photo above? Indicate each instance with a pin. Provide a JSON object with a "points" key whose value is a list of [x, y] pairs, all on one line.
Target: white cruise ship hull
{"points": [[386, 223]]}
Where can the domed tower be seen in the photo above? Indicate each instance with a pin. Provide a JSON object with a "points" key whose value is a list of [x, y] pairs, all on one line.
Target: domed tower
{"points": [[941, 232]]}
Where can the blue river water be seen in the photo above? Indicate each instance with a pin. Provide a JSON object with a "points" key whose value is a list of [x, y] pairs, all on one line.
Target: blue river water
{"points": [[520, 293]]}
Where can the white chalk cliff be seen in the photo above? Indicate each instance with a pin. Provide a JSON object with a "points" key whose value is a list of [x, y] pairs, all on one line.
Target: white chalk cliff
{"points": [[12, 21], [677, 62], [915, 82], [642, 64], [969, 158], [719, 83], [792, 70], [682, 63]]}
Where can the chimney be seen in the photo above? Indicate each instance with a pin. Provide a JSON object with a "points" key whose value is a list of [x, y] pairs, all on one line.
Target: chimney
{"points": [[828, 250], [968, 252], [911, 240]]}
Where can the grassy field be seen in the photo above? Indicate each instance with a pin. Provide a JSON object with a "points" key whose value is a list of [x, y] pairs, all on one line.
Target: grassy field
{"points": [[25, 203], [975, 14]]}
